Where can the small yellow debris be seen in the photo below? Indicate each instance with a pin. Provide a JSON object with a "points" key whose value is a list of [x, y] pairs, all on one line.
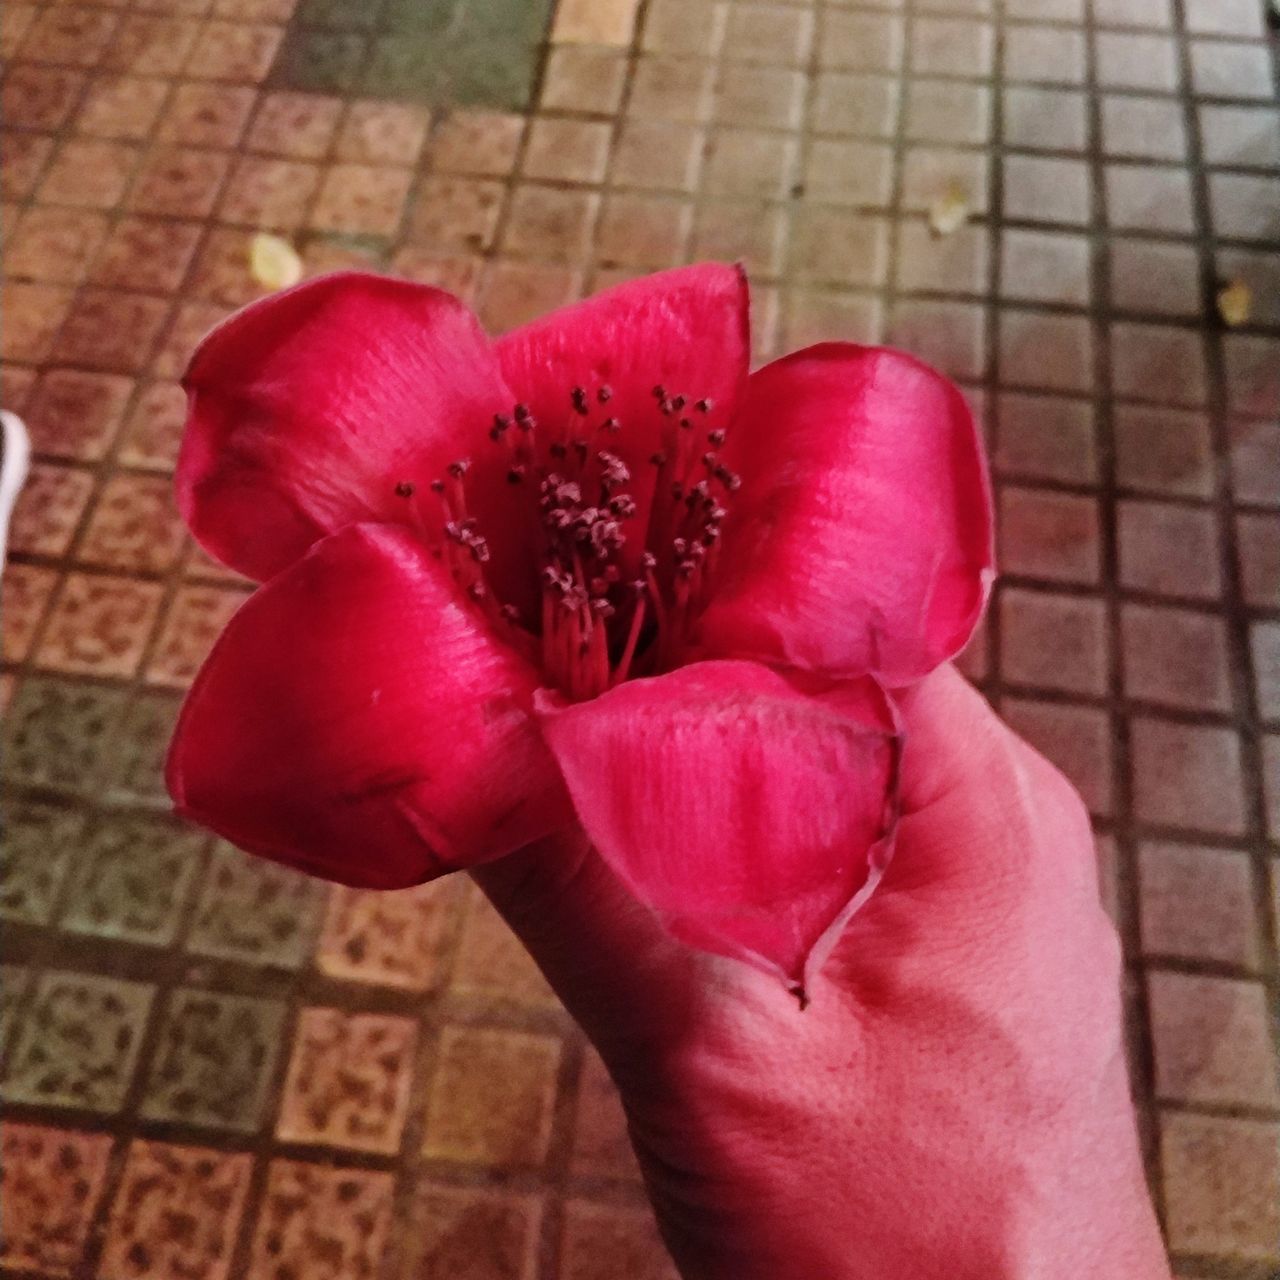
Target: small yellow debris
{"points": [[950, 211], [1235, 303], [274, 262]]}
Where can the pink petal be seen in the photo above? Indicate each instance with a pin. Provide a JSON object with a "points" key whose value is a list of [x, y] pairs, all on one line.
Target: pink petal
{"points": [[358, 719], [684, 330], [862, 538], [754, 813], [309, 407]]}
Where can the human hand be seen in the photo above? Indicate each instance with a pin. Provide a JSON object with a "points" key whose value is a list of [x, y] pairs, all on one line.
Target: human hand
{"points": [[954, 1102]]}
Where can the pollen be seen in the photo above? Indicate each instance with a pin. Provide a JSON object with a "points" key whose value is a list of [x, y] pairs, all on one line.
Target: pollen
{"points": [[623, 572]]}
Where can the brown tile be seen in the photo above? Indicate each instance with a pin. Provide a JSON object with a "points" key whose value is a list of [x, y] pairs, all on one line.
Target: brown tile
{"points": [[134, 526], [458, 274], [1047, 119], [176, 1212], [1252, 375], [604, 1241], [1158, 363], [382, 133], [1255, 461], [1175, 657], [767, 98], [839, 246], [1187, 776], [643, 231], [89, 173], [51, 1179], [562, 150], [601, 1147], [99, 625], [850, 171], [393, 940], [949, 335], [54, 244], [348, 1082], [1258, 549], [1212, 1040], [32, 315], [456, 213], [234, 51], [855, 103], [207, 115], [68, 36], [154, 428], [1149, 198], [1053, 55], [150, 254], [1196, 903], [111, 329], [1049, 351], [749, 162], [222, 273], [179, 182], [265, 192], [477, 142], [75, 414], [255, 10], [27, 590], [492, 1096], [462, 1233], [516, 292], [1264, 644], [1168, 549], [15, 386], [183, 334], [39, 97], [1054, 642], [676, 25], [1046, 438], [300, 125], [1166, 451], [23, 157], [595, 22], [193, 622], [1155, 278], [859, 41], [680, 89], [549, 224], [768, 33], [746, 232], [491, 963], [1039, 266], [945, 111], [1047, 190], [582, 78], [812, 317], [1222, 1185], [1243, 205], [322, 1223], [325, 252], [121, 107], [1076, 739], [1049, 535], [49, 509], [152, 44], [15, 22], [362, 200], [930, 173]]}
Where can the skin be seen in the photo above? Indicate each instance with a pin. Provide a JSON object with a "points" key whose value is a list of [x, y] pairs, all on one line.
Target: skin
{"points": [[954, 1101]]}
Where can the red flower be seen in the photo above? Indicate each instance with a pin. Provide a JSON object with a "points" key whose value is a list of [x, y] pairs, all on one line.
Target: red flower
{"points": [[468, 546]]}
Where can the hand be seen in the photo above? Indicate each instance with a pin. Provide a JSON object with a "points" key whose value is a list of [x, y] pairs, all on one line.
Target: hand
{"points": [[953, 1103]]}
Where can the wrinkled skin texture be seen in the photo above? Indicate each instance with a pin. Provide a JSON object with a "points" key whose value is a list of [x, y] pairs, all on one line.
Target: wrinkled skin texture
{"points": [[953, 1103]]}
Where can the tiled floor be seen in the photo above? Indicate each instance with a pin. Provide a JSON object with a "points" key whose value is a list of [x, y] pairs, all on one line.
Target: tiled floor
{"points": [[217, 1069]]}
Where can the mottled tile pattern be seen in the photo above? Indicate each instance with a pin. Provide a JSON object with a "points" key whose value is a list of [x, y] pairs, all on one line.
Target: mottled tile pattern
{"points": [[216, 1067]]}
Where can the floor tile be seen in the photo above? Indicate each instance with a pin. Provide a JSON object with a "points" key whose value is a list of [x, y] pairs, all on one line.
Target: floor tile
{"points": [[470, 1234], [602, 1241], [1176, 657], [490, 963], [40, 843], [1187, 776], [99, 625], [1077, 739], [1054, 642], [57, 733]]}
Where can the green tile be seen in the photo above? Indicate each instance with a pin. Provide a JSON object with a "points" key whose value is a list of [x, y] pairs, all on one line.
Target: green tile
{"points": [[136, 770], [14, 981], [337, 15], [214, 1060], [464, 71], [491, 73], [132, 877], [421, 17], [318, 61], [56, 733], [511, 22], [253, 910], [77, 1041], [39, 841]]}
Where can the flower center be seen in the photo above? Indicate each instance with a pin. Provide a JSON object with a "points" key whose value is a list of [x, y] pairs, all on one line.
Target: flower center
{"points": [[618, 593]]}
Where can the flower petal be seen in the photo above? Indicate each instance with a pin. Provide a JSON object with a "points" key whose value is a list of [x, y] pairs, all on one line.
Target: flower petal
{"points": [[753, 812], [862, 538], [685, 330], [308, 407], [358, 719]]}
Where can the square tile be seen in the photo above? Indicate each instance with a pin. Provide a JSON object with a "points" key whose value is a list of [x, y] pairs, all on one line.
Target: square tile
{"points": [[67, 36], [266, 192], [348, 1081], [179, 182], [595, 22], [948, 111], [765, 98], [1143, 128], [849, 40], [1076, 739], [1196, 903], [207, 115], [746, 162], [491, 963], [658, 155], [1240, 136], [1134, 60], [1147, 198], [492, 1096], [183, 333], [515, 293], [148, 254], [89, 173], [154, 428], [1045, 119], [839, 246], [234, 51], [361, 199], [584, 78], [643, 231], [39, 97], [680, 89], [1252, 375], [23, 156], [255, 911], [322, 1222], [1049, 535], [566, 150], [133, 526], [951, 336], [27, 591], [193, 621], [1187, 776], [1264, 643], [56, 733], [1168, 549], [1053, 352], [1243, 205], [51, 1179], [1158, 363], [1175, 657], [456, 213], [678, 25], [111, 329], [99, 625], [48, 511], [929, 263], [812, 316], [931, 173], [77, 1044], [54, 244], [549, 224], [1222, 1184], [768, 33], [1046, 438], [1133, 13], [14, 982], [383, 133], [136, 764], [1154, 277], [40, 841], [602, 1241], [1225, 18], [446, 1224], [176, 1212], [1165, 451], [1226, 69], [1050, 55], [131, 878], [1212, 1040], [1054, 642], [149, 44], [389, 939], [1042, 190], [1257, 544], [32, 314], [845, 102], [214, 1060], [1042, 267], [951, 47], [458, 273], [298, 125], [743, 232]]}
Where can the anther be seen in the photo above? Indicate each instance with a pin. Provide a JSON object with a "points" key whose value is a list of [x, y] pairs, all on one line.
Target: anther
{"points": [[579, 398], [611, 425], [521, 412], [704, 405], [515, 474], [658, 459], [605, 394], [459, 468], [677, 403], [437, 486], [404, 489], [716, 438], [659, 392]]}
